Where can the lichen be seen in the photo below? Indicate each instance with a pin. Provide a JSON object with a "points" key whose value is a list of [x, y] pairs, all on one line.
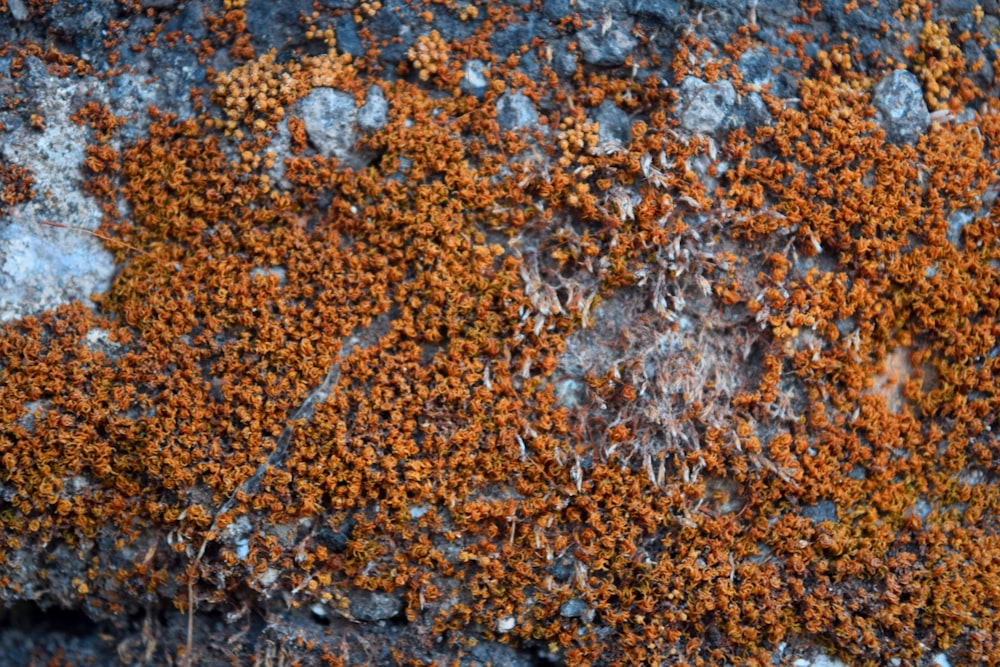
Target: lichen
{"points": [[369, 366]]}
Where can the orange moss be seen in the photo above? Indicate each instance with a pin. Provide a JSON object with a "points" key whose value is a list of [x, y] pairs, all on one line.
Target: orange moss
{"points": [[429, 305]]}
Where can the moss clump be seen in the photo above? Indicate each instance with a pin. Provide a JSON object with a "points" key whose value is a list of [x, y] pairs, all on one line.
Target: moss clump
{"points": [[339, 379]]}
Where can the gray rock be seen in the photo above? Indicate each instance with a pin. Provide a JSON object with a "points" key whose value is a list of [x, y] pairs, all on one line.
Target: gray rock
{"points": [[281, 144], [589, 9], [775, 14], [18, 9], [707, 108], [664, 12], [275, 25], [278, 272], [824, 510], [374, 114], [973, 53], [41, 266], [614, 129], [82, 23], [474, 78], [606, 47], [554, 10], [564, 61], [759, 68], [331, 122], [485, 653], [130, 96], [957, 221], [99, 340], [563, 568], [374, 605], [858, 21], [337, 539], [846, 326], [509, 40], [506, 624], [940, 660], [733, 5], [387, 26], [346, 32], [531, 65], [577, 609], [957, 7], [516, 112], [39, 270], [755, 112], [902, 111], [819, 660], [868, 46]]}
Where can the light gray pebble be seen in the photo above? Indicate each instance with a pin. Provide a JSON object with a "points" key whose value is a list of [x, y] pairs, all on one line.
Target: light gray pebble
{"points": [[706, 108], [516, 112], [902, 111]]}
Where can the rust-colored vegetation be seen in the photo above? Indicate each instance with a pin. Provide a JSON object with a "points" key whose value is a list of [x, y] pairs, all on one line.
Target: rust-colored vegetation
{"points": [[378, 354]]}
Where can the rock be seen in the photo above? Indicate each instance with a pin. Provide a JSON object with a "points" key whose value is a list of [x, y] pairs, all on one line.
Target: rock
{"points": [[614, 131], [577, 609], [554, 10], [417, 511], [337, 540], [506, 624], [733, 5], [957, 221], [374, 605], [902, 111], [940, 660], [331, 122], [957, 7], [18, 9], [819, 660], [775, 14], [99, 340], [606, 47], [858, 21], [268, 578], [484, 653], [662, 12], [761, 69], [516, 112], [973, 53], [274, 25], [755, 112], [564, 61], [348, 41], [374, 114], [824, 510], [389, 28], [531, 65], [82, 23], [509, 40], [707, 108], [130, 96], [474, 78], [42, 266], [278, 272]]}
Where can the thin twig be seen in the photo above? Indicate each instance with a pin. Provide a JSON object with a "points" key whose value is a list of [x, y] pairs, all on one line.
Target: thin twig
{"points": [[189, 651], [103, 237]]}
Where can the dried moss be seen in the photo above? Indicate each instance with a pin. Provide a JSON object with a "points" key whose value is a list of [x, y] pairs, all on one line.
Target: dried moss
{"points": [[377, 354]]}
